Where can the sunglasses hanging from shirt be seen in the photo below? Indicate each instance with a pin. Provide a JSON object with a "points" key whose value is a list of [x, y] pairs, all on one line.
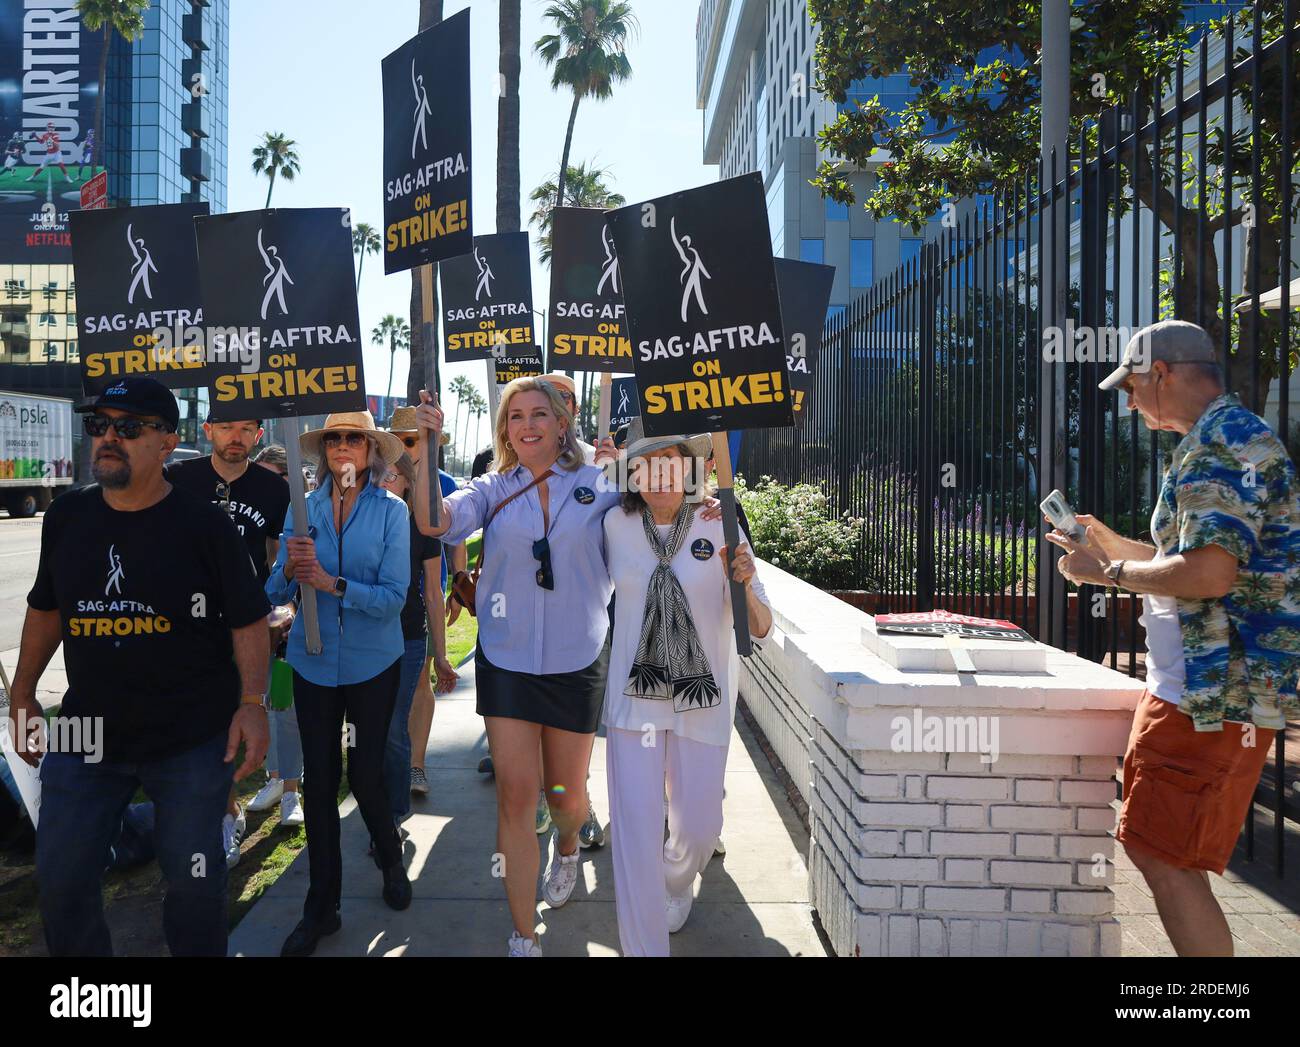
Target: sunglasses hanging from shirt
{"points": [[464, 585]]}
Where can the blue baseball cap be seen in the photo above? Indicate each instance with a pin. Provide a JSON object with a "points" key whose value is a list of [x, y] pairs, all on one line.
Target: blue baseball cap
{"points": [[146, 397]]}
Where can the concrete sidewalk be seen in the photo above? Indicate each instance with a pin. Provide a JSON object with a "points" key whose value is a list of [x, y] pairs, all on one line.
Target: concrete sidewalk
{"points": [[753, 902]]}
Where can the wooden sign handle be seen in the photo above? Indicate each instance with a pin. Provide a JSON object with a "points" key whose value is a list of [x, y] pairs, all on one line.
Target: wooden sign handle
{"points": [[431, 384], [731, 535], [606, 395], [298, 504]]}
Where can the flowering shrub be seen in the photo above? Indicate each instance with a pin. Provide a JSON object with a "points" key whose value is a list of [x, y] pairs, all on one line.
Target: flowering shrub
{"points": [[791, 528]]}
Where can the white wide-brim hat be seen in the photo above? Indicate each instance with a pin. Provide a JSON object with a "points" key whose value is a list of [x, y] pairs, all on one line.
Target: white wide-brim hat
{"points": [[639, 445], [351, 422]]}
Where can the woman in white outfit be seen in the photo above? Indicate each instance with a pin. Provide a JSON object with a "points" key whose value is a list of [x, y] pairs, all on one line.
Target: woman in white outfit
{"points": [[671, 695]]}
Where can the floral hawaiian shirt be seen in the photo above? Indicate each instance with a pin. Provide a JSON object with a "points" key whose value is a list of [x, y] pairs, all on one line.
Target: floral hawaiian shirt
{"points": [[1231, 483]]}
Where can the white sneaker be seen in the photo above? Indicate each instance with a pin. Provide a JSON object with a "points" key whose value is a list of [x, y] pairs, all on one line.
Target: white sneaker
{"points": [[678, 910], [232, 835], [521, 946], [291, 810], [562, 876], [267, 796], [719, 849]]}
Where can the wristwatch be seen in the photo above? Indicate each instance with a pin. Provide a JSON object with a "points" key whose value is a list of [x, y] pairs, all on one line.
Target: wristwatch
{"points": [[1113, 570], [340, 587], [253, 699]]}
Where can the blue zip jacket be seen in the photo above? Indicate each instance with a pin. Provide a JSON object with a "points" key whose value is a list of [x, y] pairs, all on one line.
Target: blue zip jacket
{"points": [[361, 635]]}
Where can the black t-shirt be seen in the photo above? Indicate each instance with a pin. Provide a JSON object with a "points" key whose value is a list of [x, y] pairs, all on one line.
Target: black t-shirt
{"points": [[413, 617], [147, 601], [259, 501]]}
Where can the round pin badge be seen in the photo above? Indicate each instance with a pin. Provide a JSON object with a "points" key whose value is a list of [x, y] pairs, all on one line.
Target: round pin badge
{"points": [[584, 495], [701, 549]]}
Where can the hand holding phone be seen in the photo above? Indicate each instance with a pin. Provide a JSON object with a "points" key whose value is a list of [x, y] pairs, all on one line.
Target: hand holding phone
{"points": [[1058, 510]]}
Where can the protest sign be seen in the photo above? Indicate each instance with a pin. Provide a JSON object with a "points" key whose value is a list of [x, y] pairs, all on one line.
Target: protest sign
{"points": [[278, 286], [487, 299], [138, 305], [805, 291], [427, 183], [624, 404], [586, 326], [510, 365], [703, 313]]}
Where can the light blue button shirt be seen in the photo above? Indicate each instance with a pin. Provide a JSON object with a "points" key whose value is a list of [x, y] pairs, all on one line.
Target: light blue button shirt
{"points": [[521, 626], [361, 635]]}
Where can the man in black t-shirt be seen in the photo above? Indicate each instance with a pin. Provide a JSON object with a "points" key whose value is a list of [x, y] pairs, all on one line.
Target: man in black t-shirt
{"points": [[164, 634], [257, 501]]}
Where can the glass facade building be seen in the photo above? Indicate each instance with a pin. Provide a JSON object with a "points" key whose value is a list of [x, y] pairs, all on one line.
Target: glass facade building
{"points": [[165, 126]]}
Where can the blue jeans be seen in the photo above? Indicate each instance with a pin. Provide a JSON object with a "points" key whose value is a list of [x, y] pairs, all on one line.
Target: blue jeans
{"points": [[397, 756], [82, 805], [284, 757]]}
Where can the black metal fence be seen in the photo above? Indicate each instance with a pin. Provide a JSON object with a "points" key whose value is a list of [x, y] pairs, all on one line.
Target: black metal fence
{"points": [[946, 405]]}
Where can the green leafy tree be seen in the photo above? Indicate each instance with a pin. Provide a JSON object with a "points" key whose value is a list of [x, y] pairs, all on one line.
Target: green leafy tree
{"points": [[587, 56], [987, 113], [126, 19], [397, 333], [585, 186], [365, 240], [275, 155]]}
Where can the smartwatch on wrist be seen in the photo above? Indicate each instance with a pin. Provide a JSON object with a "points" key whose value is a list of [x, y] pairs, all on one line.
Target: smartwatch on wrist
{"points": [[1113, 571], [340, 587]]}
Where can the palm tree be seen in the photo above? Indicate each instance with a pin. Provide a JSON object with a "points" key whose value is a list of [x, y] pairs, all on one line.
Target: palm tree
{"points": [[430, 15], [508, 218], [275, 155], [587, 55], [585, 187], [365, 240], [463, 389], [126, 18], [397, 333], [477, 407]]}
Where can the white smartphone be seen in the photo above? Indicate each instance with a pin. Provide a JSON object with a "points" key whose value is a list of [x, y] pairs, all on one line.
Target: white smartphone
{"points": [[1058, 510]]}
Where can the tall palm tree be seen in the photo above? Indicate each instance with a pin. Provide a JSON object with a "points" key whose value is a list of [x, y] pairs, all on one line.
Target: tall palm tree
{"points": [[397, 333], [479, 410], [508, 217], [585, 187], [463, 389], [477, 406], [124, 17], [275, 154], [365, 240], [587, 53], [430, 15]]}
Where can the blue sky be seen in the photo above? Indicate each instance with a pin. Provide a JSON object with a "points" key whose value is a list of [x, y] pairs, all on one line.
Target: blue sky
{"points": [[311, 69]]}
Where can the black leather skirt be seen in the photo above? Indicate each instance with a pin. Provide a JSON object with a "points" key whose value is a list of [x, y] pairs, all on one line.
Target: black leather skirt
{"points": [[566, 701]]}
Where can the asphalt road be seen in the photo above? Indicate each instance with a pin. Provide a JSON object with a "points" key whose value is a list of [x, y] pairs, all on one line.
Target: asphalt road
{"points": [[20, 546]]}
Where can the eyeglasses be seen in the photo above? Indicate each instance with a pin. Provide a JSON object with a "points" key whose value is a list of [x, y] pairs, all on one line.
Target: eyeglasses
{"points": [[351, 439], [126, 428], [390, 478], [542, 552]]}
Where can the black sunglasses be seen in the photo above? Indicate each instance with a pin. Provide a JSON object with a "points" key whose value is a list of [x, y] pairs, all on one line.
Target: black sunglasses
{"points": [[411, 441], [126, 428], [542, 552], [223, 497], [353, 439]]}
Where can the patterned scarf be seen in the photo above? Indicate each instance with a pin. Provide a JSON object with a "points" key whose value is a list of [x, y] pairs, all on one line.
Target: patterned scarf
{"points": [[670, 663]]}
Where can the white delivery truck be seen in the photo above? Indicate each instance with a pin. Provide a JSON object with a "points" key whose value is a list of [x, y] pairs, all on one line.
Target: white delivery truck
{"points": [[35, 450]]}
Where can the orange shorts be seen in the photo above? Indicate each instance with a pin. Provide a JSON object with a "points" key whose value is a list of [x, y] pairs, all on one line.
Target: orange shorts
{"points": [[1186, 792]]}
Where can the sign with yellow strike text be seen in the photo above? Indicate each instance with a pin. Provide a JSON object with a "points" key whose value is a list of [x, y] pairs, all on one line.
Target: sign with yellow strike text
{"points": [[587, 327], [279, 288], [704, 317], [427, 174], [487, 299]]}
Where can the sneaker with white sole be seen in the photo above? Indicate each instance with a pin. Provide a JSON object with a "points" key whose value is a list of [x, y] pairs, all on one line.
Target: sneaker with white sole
{"points": [[719, 849], [592, 834], [543, 814], [232, 835], [267, 796], [291, 810], [521, 946], [561, 877], [419, 782], [678, 910]]}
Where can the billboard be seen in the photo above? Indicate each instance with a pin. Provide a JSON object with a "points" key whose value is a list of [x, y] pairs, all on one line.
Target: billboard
{"points": [[49, 87]]}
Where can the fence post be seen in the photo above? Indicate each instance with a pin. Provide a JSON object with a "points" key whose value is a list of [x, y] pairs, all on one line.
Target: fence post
{"points": [[927, 466], [843, 430]]}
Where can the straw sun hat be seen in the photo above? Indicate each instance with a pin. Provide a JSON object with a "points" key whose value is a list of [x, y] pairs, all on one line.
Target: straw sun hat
{"points": [[351, 422], [403, 421]]}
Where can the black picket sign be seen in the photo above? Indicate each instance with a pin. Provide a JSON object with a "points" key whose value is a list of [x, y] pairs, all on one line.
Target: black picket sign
{"points": [[703, 313], [512, 364], [625, 404], [428, 206], [278, 286], [487, 299], [805, 290], [138, 305], [586, 328]]}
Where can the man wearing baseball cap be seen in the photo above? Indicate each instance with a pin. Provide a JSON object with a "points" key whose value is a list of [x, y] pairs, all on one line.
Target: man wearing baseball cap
{"points": [[163, 627], [1222, 618]]}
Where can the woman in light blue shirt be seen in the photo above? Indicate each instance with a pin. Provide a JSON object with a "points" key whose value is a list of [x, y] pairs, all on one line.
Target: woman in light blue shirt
{"points": [[357, 558], [542, 603]]}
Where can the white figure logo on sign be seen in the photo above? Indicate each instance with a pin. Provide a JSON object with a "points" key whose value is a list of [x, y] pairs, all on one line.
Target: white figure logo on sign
{"points": [[276, 275], [608, 275], [692, 271], [422, 110], [142, 268], [485, 277]]}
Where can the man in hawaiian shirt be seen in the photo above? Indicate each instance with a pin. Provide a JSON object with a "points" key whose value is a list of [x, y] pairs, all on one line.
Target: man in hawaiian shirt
{"points": [[1221, 608]]}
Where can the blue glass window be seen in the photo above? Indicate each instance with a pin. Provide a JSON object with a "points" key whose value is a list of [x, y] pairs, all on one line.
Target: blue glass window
{"points": [[812, 251], [909, 250], [836, 212], [861, 259]]}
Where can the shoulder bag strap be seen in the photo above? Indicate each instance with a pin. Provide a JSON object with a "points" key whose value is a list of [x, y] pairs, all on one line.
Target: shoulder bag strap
{"points": [[501, 505]]}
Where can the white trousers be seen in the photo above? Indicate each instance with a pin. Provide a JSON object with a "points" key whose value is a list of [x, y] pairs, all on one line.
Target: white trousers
{"points": [[646, 867]]}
